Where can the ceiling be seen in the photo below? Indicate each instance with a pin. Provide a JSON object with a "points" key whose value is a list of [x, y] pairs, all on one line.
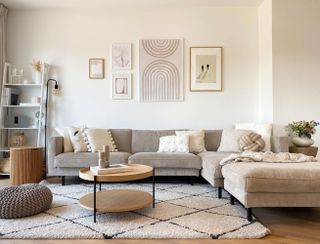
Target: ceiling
{"points": [[60, 4]]}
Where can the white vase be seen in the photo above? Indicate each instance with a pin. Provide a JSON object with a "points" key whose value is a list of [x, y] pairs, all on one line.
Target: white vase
{"points": [[302, 141], [37, 77]]}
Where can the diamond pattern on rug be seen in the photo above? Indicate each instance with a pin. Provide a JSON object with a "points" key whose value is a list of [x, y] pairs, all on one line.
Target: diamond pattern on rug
{"points": [[182, 211], [165, 211], [199, 202], [14, 225], [162, 230], [111, 224], [210, 223], [58, 231]]}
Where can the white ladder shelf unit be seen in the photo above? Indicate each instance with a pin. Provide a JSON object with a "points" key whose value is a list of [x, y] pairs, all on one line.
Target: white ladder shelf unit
{"points": [[25, 109]]}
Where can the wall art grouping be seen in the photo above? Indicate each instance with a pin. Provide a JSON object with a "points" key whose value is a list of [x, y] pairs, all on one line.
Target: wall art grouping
{"points": [[161, 70]]}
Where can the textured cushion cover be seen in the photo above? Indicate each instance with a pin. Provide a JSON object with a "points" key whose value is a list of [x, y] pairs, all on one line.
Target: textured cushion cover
{"points": [[148, 140], [252, 142], [174, 144], [97, 138], [265, 130], [85, 159], [76, 135], [196, 140], [230, 140], [167, 160], [274, 177], [67, 145]]}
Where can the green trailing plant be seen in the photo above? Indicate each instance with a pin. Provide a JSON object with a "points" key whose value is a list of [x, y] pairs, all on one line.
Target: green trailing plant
{"points": [[302, 128]]}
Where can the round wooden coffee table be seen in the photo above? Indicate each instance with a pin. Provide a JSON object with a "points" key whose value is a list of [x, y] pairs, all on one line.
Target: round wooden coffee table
{"points": [[117, 200]]}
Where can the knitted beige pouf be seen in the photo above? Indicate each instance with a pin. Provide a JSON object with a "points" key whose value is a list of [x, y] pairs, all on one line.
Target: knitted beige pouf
{"points": [[24, 200]]}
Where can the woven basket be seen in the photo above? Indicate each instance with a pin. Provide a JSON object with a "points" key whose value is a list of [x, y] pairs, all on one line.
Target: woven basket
{"points": [[24, 200]]}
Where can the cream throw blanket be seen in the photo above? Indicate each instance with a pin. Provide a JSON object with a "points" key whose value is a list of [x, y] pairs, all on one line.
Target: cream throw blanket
{"points": [[268, 157]]}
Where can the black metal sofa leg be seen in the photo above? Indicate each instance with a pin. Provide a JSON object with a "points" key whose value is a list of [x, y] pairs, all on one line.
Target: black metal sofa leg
{"points": [[63, 180], [219, 192], [231, 200], [249, 214], [191, 180]]}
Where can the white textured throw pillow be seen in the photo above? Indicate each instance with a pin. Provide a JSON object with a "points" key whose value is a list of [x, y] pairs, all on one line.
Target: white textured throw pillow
{"points": [[265, 130], [174, 144], [97, 138], [230, 140], [67, 145], [76, 135], [196, 140]]}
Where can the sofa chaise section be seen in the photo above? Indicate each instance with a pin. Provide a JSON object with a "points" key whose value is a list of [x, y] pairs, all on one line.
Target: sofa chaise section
{"points": [[258, 184]]}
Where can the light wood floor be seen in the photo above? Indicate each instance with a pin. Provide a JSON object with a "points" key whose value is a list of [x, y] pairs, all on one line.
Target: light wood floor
{"points": [[288, 225]]}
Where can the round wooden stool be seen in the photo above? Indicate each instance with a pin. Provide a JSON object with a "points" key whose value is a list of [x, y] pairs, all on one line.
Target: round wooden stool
{"points": [[26, 165]]}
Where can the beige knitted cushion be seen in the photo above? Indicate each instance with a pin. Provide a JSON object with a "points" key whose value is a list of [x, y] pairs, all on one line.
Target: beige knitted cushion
{"points": [[252, 142], [24, 200]]}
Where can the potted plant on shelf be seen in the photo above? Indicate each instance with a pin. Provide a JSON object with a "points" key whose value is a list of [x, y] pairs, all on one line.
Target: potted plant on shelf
{"points": [[301, 132]]}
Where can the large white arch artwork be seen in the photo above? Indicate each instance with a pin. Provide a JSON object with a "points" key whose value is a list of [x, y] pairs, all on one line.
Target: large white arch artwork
{"points": [[161, 70]]}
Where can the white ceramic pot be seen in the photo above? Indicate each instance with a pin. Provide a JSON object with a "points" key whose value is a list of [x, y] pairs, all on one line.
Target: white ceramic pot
{"points": [[302, 141], [37, 77]]}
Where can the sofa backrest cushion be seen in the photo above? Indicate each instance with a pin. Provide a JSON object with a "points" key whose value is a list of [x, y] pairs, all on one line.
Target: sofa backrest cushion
{"points": [[212, 139], [122, 139], [148, 140]]}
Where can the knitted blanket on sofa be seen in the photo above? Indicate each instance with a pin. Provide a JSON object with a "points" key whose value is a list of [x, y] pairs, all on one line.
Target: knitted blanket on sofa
{"points": [[268, 157]]}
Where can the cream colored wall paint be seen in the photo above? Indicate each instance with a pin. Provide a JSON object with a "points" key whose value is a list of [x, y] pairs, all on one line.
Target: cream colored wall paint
{"points": [[296, 60], [265, 62], [67, 38]]}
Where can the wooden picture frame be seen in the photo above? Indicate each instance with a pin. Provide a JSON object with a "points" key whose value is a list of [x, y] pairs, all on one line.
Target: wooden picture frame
{"points": [[121, 86], [205, 69], [96, 68]]}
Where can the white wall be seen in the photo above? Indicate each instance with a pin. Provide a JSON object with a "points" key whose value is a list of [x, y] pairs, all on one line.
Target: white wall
{"points": [[265, 62], [296, 62], [68, 38]]}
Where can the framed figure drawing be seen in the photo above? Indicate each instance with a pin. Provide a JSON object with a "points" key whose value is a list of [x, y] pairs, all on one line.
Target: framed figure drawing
{"points": [[205, 68], [121, 86], [96, 68], [121, 56]]}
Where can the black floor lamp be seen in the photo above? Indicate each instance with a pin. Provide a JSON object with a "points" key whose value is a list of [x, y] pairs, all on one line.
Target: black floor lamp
{"points": [[55, 92]]}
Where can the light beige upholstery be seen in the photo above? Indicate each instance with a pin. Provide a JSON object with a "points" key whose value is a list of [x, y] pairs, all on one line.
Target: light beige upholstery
{"points": [[167, 160], [274, 177], [85, 159], [274, 184], [211, 169]]}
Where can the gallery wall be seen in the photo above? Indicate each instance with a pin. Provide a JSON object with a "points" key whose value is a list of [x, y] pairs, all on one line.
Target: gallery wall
{"points": [[67, 38]]}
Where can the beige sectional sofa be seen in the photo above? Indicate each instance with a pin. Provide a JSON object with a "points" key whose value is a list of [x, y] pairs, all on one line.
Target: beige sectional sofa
{"points": [[140, 146], [252, 184]]}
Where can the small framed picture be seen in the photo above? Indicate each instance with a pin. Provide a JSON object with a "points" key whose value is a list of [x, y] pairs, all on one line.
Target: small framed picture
{"points": [[121, 86], [205, 68], [96, 68], [121, 56]]}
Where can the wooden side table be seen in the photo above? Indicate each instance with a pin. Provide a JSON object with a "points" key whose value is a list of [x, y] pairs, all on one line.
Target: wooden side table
{"points": [[310, 151], [26, 165]]}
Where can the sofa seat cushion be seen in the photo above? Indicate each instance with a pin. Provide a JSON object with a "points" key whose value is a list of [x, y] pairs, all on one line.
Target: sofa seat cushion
{"points": [[85, 159], [167, 160], [211, 163], [274, 177]]}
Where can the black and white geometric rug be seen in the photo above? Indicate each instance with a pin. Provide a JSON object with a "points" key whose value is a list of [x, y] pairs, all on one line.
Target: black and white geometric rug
{"points": [[182, 211]]}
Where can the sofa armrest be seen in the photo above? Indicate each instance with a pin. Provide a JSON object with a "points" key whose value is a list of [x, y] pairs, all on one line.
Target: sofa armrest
{"points": [[280, 144], [55, 147]]}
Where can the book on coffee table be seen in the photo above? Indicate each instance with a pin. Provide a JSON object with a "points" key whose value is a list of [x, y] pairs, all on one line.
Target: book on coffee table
{"points": [[112, 169]]}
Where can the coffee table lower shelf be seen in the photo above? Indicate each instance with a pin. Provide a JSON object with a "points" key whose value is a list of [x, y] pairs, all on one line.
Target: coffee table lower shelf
{"points": [[118, 200]]}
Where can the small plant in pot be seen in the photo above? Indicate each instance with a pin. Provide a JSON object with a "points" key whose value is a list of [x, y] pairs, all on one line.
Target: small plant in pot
{"points": [[302, 131]]}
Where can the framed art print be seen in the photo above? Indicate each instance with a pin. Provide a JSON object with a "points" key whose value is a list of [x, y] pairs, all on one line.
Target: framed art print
{"points": [[96, 68], [205, 68], [121, 86], [121, 56]]}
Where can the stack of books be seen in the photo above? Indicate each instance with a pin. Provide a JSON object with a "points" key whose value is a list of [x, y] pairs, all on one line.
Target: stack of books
{"points": [[112, 169]]}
